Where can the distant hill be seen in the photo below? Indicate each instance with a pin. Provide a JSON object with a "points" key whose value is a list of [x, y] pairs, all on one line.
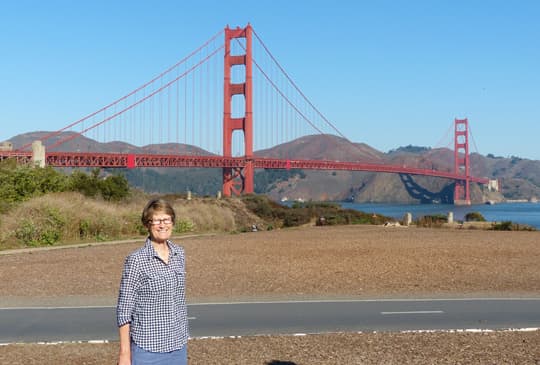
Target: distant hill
{"points": [[520, 178], [85, 144], [155, 180]]}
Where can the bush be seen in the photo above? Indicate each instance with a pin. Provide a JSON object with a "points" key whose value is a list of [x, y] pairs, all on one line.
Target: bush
{"points": [[295, 217], [110, 188], [510, 226], [85, 184], [21, 182], [183, 226], [300, 213], [114, 188], [474, 217], [263, 207], [435, 220], [43, 229], [503, 226]]}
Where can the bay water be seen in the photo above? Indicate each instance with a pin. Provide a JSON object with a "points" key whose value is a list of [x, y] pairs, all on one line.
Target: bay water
{"points": [[522, 213]]}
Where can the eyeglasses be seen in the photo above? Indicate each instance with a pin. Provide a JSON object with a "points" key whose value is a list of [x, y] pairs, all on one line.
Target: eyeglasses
{"points": [[156, 222]]}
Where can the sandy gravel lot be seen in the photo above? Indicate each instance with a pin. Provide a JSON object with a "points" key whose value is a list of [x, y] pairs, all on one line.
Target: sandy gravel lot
{"points": [[309, 262]]}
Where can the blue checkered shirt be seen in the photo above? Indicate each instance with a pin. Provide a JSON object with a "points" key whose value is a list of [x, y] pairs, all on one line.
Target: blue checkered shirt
{"points": [[152, 299]]}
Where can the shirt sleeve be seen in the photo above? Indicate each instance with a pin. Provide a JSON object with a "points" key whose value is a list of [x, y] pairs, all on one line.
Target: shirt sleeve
{"points": [[127, 292]]}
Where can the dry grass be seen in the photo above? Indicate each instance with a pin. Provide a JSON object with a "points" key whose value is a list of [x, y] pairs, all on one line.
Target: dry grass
{"points": [[211, 215], [78, 219], [308, 262], [72, 218]]}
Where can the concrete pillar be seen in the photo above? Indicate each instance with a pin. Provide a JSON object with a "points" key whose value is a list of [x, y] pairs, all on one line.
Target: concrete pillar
{"points": [[493, 185], [219, 194], [407, 219], [38, 154], [189, 195], [450, 217]]}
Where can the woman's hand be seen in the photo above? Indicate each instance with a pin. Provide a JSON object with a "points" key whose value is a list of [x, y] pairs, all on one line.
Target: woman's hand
{"points": [[124, 359]]}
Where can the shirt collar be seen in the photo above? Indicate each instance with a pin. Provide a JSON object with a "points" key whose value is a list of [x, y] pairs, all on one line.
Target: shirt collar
{"points": [[151, 252]]}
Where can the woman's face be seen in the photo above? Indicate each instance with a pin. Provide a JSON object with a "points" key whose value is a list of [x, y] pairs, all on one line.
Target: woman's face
{"points": [[160, 227]]}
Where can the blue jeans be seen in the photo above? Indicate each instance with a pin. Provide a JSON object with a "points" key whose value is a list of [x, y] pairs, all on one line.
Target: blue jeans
{"points": [[140, 356]]}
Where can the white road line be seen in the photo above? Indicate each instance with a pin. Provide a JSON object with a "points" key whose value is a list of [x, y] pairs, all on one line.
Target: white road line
{"points": [[386, 300], [474, 330], [61, 307], [413, 312], [375, 300]]}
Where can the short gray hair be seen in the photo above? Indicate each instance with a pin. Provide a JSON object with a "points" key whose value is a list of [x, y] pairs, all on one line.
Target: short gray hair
{"points": [[154, 206]]}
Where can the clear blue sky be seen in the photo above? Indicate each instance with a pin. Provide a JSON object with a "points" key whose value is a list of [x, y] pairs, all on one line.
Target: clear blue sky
{"points": [[387, 73]]}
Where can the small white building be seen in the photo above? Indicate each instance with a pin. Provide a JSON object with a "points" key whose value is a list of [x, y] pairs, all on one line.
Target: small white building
{"points": [[6, 146], [493, 185]]}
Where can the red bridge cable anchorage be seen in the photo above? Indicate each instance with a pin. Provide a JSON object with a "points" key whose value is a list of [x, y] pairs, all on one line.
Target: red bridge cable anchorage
{"points": [[301, 93], [53, 134], [139, 101]]}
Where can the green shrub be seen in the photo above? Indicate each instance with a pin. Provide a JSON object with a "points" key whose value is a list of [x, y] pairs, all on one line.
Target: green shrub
{"points": [[183, 226], [84, 229], [294, 218], [85, 184], [261, 206], [43, 230], [503, 226], [114, 188], [27, 233], [324, 213], [435, 220], [22, 182], [110, 188], [510, 226], [474, 217]]}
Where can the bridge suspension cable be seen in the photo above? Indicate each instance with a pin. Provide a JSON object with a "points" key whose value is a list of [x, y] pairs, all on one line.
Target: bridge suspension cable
{"points": [[308, 113], [474, 142], [296, 88], [120, 106], [183, 102]]}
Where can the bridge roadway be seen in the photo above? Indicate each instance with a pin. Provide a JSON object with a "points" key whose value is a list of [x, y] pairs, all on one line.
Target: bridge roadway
{"points": [[123, 160], [47, 324]]}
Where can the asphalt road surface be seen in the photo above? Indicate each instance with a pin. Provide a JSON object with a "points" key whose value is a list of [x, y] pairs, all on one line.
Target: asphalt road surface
{"points": [[237, 319]]}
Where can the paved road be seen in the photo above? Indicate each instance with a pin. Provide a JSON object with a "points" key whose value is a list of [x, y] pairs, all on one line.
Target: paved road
{"points": [[236, 319]]}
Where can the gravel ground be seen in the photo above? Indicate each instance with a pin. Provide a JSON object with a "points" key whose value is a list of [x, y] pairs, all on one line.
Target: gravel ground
{"points": [[303, 263], [343, 348]]}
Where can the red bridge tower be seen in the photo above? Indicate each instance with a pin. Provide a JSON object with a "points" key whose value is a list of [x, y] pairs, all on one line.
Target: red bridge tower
{"points": [[238, 180], [461, 162]]}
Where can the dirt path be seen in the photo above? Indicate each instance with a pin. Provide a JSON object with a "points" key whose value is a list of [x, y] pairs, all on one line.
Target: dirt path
{"points": [[349, 261]]}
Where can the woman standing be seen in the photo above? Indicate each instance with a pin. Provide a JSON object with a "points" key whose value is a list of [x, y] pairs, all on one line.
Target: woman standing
{"points": [[151, 312]]}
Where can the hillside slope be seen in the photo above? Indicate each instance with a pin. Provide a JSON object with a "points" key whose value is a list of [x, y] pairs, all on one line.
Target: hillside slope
{"points": [[519, 177]]}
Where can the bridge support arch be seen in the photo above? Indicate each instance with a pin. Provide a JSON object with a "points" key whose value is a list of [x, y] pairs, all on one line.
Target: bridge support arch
{"points": [[462, 195], [239, 180]]}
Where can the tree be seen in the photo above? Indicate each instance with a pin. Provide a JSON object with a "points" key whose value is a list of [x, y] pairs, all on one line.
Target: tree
{"points": [[474, 217], [114, 187]]}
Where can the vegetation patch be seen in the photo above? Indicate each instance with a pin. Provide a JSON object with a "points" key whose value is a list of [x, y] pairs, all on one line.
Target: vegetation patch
{"points": [[431, 221], [474, 217], [511, 226], [298, 214]]}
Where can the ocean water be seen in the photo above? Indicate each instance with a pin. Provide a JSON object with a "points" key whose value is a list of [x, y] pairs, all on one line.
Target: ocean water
{"points": [[522, 213]]}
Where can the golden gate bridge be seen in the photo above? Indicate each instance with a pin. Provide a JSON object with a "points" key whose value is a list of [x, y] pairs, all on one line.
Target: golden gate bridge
{"points": [[230, 98]]}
